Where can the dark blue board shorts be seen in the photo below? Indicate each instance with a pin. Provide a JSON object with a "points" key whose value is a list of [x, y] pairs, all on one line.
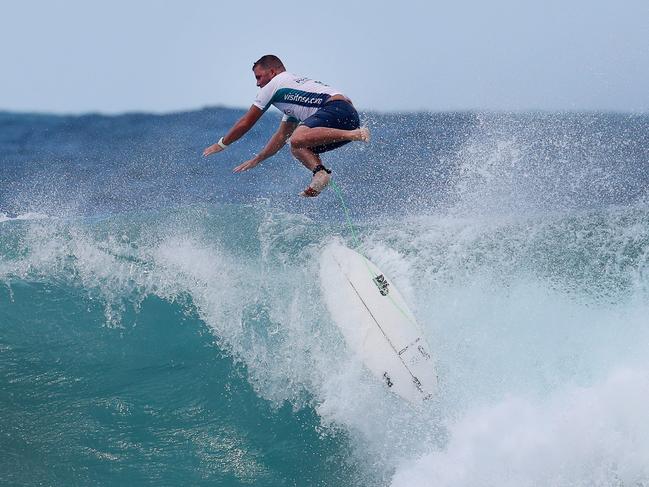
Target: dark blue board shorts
{"points": [[336, 114]]}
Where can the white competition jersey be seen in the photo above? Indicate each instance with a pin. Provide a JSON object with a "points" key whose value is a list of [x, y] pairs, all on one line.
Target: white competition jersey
{"points": [[298, 97]]}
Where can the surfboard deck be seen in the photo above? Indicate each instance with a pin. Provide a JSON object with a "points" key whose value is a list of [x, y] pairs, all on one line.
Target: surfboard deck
{"points": [[377, 323]]}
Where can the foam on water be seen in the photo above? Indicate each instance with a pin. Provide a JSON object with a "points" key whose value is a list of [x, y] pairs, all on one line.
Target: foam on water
{"points": [[26, 216], [580, 436]]}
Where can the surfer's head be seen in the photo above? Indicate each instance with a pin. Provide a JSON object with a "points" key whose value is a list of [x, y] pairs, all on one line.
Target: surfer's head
{"points": [[266, 68]]}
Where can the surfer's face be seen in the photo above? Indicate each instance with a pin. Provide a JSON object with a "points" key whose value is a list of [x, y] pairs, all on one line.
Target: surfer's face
{"points": [[263, 76]]}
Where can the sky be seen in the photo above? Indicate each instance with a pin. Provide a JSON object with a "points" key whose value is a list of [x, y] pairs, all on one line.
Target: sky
{"points": [[113, 56]]}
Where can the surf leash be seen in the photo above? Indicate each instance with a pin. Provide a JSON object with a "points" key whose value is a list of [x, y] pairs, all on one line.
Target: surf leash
{"points": [[357, 244], [337, 190]]}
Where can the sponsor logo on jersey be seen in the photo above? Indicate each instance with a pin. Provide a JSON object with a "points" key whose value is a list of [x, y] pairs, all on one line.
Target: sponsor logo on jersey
{"points": [[297, 98]]}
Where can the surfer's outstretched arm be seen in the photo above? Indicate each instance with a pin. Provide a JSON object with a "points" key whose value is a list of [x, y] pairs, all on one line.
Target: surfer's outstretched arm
{"points": [[237, 131], [276, 142]]}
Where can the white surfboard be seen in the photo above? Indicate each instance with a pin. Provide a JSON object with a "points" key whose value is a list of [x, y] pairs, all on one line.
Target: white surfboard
{"points": [[376, 322]]}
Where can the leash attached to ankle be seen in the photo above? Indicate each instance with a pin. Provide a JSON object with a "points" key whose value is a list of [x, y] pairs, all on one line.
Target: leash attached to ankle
{"points": [[320, 167]]}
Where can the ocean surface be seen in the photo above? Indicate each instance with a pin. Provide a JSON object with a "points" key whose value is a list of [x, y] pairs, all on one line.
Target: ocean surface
{"points": [[162, 320]]}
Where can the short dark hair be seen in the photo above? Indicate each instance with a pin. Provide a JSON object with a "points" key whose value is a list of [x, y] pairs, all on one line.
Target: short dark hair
{"points": [[269, 61]]}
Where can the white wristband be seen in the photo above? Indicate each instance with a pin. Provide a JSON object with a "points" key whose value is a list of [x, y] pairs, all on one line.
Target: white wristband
{"points": [[221, 144]]}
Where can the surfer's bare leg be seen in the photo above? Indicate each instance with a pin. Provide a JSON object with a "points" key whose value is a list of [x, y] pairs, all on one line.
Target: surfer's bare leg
{"points": [[311, 137], [307, 157]]}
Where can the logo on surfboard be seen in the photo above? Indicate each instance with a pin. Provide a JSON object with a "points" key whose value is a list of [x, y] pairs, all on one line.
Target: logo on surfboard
{"points": [[382, 284]]}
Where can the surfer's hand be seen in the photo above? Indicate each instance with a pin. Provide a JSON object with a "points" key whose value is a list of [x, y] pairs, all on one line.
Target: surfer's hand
{"points": [[246, 165], [213, 149]]}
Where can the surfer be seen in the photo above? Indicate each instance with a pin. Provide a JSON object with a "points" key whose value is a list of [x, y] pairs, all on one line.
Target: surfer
{"points": [[317, 118]]}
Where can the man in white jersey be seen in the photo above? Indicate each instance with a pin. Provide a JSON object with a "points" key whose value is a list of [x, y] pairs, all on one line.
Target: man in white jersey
{"points": [[317, 118]]}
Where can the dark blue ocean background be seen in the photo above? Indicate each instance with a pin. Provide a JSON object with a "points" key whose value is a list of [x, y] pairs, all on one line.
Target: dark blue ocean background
{"points": [[162, 319]]}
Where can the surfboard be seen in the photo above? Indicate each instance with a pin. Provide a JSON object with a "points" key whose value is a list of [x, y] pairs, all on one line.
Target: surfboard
{"points": [[376, 323]]}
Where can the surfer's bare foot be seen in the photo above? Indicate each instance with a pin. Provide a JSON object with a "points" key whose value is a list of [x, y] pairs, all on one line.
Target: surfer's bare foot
{"points": [[319, 181], [361, 134]]}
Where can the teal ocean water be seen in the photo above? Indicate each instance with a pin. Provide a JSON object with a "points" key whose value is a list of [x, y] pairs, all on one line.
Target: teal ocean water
{"points": [[162, 321]]}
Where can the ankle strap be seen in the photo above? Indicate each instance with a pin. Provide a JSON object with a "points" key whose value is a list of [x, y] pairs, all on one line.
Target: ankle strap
{"points": [[320, 167]]}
